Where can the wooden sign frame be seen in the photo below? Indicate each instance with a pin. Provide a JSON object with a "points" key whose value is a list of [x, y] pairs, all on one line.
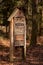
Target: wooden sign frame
{"points": [[11, 19], [19, 31]]}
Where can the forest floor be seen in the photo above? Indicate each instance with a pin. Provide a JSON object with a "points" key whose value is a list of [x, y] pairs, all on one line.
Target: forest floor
{"points": [[34, 55]]}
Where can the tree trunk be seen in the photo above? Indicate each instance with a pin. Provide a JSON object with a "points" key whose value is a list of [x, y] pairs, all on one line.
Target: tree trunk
{"points": [[40, 28], [34, 24]]}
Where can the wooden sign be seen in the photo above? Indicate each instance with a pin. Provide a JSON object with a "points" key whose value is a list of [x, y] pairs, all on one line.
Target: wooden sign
{"points": [[19, 31]]}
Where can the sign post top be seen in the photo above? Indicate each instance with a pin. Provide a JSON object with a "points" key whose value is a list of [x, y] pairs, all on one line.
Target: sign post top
{"points": [[16, 13]]}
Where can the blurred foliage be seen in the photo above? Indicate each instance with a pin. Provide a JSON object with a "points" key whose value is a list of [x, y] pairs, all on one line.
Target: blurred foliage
{"points": [[7, 6]]}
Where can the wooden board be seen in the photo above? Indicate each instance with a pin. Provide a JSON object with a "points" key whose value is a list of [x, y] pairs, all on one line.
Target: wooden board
{"points": [[19, 31]]}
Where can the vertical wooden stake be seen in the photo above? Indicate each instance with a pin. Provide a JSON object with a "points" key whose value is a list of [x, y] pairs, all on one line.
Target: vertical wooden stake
{"points": [[24, 47], [11, 41], [25, 42]]}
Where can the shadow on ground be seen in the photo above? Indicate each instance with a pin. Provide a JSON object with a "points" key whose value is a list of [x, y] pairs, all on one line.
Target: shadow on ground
{"points": [[34, 56]]}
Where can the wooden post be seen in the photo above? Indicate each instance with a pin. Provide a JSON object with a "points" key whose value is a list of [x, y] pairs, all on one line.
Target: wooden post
{"points": [[25, 42], [24, 47], [11, 41]]}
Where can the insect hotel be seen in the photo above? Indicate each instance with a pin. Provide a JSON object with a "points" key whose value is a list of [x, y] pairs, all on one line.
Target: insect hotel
{"points": [[17, 31]]}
